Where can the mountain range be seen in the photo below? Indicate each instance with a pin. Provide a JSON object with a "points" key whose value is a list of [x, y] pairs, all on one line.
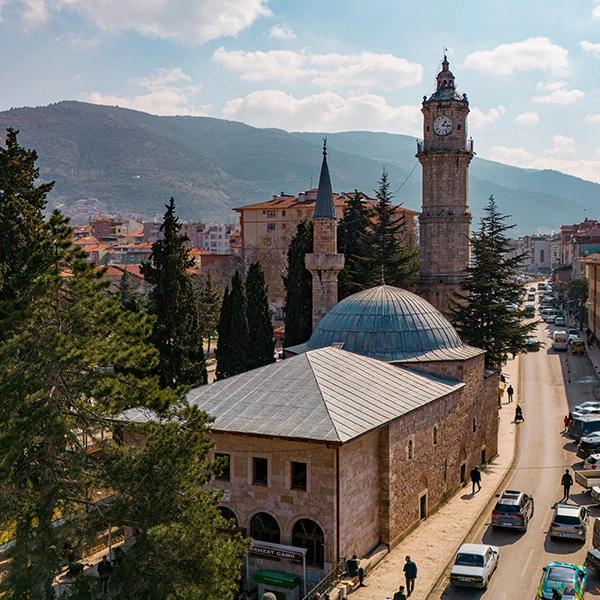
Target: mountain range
{"points": [[130, 163]]}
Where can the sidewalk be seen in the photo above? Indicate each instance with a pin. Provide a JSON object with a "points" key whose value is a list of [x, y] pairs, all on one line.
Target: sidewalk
{"points": [[435, 542]]}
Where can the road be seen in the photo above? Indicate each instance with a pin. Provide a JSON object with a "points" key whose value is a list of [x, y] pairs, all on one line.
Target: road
{"points": [[550, 381]]}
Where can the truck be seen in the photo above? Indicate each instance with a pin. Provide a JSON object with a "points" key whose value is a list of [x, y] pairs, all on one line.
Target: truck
{"points": [[588, 479]]}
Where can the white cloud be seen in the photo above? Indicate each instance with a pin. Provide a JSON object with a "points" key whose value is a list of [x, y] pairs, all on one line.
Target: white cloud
{"points": [[520, 157], [562, 144], [282, 32], [169, 92], [596, 11], [479, 119], [532, 54], [33, 12], [528, 118], [589, 46], [366, 70], [188, 21], [593, 118], [558, 94], [326, 111]]}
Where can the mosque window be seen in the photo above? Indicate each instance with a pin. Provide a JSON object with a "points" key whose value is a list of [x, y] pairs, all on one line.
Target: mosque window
{"points": [[299, 476], [474, 424], [435, 435], [264, 528], [260, 471], [410, 450], [307, 534]]}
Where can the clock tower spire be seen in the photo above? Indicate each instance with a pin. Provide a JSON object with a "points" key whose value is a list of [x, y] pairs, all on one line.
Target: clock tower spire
{"points": [[444, 153]]}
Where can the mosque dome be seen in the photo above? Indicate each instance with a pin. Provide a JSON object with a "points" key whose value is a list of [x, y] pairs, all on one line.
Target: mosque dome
{"points": [[390, 324]]}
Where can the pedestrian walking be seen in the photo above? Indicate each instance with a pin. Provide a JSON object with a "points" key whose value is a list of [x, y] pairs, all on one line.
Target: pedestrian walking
{"points": [[410, 574], [566, 421], [476, 478], [510, 391], [400, 595], [566, 481]]}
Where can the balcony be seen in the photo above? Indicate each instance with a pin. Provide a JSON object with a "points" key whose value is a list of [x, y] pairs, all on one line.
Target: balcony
{"points": [[469, 147]]}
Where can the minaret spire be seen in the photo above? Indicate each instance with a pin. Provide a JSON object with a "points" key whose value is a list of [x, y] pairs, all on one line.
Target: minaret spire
{"points": [[324, 262]]}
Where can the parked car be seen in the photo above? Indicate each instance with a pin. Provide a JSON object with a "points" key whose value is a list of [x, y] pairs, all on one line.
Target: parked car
{"points": [[570, 522], [578, 347], [587, 403], [529, 310], [513, 509], [588, 445], [573, 332], [560, 340], [563, 576], [582, 426], [532, 344], [559, 321], [592, 462], [474, 565], [588, 410], [530, 297]]}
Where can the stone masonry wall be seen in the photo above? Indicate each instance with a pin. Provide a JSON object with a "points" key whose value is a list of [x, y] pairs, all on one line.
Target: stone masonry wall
{"points": [[277, 499], [360, 494]]}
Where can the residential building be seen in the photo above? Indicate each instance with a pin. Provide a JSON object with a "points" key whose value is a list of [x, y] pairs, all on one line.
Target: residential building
{"points": [[591, 267]]}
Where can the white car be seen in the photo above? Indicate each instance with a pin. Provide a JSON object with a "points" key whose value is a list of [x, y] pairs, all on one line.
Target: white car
{"points": [[474, 565], [588, 404], [587, 410], [592, 462]]}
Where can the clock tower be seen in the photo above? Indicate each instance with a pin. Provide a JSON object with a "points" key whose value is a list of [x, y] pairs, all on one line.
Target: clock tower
{"points": [[444, 153]]}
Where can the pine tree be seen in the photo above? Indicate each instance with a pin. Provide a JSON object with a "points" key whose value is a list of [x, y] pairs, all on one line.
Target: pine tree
{"points": [[352, 239], [22, 203], [298, 288], [177, 332], [65, 368], [209, 303], [481, 311], [389, 254], [224, 348], [258, 314]]}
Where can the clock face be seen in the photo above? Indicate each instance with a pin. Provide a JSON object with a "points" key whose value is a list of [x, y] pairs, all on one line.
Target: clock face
{"points": [[442, 125]]}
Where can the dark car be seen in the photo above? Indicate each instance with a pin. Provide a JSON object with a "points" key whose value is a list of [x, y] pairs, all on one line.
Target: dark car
{"points": [[588, 446], [513, 509], [581, 427], [532, 344]]}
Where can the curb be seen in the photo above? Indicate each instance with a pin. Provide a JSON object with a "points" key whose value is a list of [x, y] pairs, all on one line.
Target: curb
{"points": [[484, 512]]}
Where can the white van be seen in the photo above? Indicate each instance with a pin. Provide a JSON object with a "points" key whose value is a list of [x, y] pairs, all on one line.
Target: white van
{"points": [[560, 340]]}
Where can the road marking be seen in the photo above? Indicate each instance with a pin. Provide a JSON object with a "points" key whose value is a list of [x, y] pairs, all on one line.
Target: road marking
{"points": [[529, 557]]}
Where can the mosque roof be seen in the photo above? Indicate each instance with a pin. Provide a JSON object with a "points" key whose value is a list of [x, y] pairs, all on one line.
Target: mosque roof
{"points": [[391, 324], [326, 394]]}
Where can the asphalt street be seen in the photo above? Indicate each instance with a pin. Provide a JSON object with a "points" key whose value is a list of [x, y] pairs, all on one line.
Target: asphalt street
{"points": [[550, 382]]}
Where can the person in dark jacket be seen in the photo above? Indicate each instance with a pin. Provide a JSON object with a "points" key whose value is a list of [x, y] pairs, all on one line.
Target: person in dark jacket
{"points": [[410, 574], [519, 418], [104, 570], [400, 595], [566, 481], [476, 478], [510, 391]]}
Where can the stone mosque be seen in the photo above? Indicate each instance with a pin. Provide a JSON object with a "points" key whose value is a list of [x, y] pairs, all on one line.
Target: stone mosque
{"points": [[374, 422]]}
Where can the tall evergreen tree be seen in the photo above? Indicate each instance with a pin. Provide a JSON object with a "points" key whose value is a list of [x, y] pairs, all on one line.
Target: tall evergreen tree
{"points": [[129, 296], [225, 349], [258, 314], [481, 311], [22, 203], [177, 332], [238, 327], [298, 287], [389, 255], [352, 231], [209, 303]]}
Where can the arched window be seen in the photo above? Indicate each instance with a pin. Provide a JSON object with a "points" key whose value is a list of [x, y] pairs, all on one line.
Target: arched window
{"points": [[410, 450], [228, 514], [307, 534], [264, 528], [435, 435], [474, 424]]}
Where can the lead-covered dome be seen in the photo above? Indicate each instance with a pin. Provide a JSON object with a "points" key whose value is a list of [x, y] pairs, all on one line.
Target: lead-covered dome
{"points": [[391, 324]]}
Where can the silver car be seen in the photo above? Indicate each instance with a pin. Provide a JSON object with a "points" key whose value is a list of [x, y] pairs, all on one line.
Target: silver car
{"points": [[569, 522]]}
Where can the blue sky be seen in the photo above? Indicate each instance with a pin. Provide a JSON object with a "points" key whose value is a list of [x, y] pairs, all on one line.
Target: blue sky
{"points": [[531, 69]]}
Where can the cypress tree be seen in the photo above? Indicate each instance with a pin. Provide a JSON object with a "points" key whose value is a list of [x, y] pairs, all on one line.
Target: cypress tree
{"points": [[129, 296], [352, 239], [389, 254], [298, 287], [481, 311], [177, 332], [224, 348], [209, 303], [238, 327], [258, 315]]}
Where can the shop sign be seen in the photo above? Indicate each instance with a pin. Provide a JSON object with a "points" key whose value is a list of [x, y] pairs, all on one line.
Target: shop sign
{"points": [[277, 551]]}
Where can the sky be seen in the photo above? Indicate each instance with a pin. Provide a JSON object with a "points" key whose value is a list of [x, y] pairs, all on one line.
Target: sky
{"points": [[531, 68]]}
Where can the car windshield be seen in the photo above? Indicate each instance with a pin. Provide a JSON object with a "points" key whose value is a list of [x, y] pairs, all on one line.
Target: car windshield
{"points": [[562, 574], [507, 508], [567, 520], [469, 560]]}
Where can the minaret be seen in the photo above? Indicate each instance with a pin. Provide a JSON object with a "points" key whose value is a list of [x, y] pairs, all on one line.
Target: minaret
{"points": [[324, 263], [445, 154]]}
